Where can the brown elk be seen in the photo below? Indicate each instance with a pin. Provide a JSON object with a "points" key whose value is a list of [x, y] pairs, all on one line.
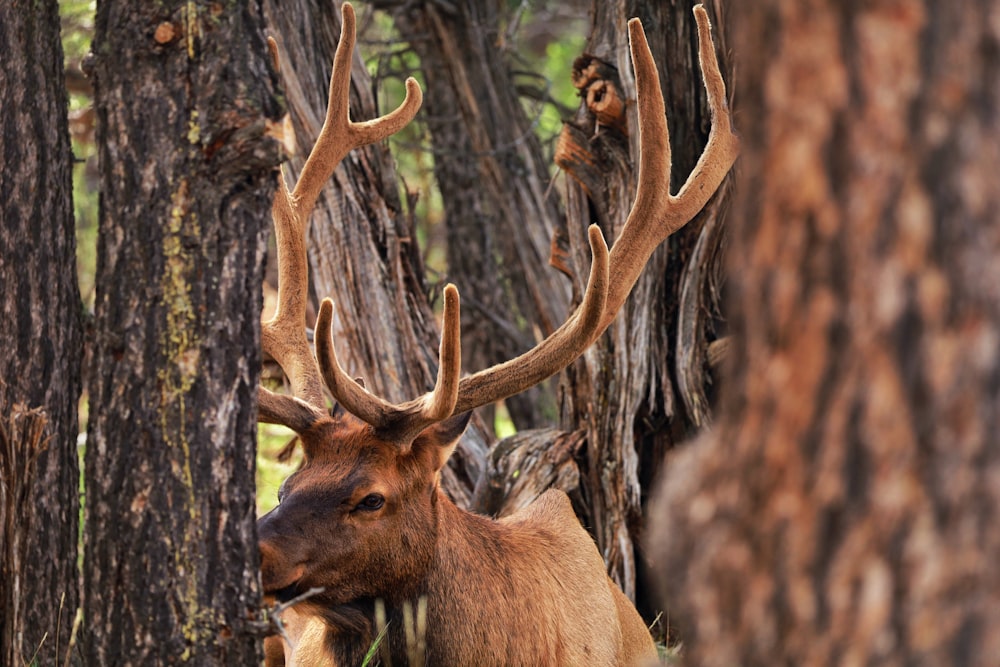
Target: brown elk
{"points": [[364, 518]]}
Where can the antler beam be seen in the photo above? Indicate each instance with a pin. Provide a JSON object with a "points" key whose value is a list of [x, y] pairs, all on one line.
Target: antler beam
{"points": [[655, 215]]}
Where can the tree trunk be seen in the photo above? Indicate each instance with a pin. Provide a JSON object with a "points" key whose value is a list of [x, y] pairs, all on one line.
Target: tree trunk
{"points": [[384, 328], [500, 214], [40, 328], [641, 388], [843, 510], [184, 99]]}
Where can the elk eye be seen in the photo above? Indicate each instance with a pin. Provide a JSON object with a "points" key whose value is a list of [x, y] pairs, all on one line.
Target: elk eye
{"points": [[372, 501]]}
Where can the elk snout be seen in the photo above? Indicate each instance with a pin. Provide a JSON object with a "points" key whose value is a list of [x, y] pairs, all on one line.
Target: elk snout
{"points": [[277, 571]]}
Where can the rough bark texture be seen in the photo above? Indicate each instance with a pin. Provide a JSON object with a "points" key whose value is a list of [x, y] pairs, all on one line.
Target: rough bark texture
{"points": [[523, 466], [844, 509], [625, 392], [362, 245], [183, 93], [40, 330], [500, 213]]}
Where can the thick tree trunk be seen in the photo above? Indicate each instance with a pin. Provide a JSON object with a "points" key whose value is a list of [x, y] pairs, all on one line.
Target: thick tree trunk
{"points": [[844, 509], [362, 245], [184, 99], [40, 331], [641, 388], [500, 213]]}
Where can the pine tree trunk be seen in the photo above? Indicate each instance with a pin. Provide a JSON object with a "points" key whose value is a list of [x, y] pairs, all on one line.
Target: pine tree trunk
{"points": [[843, 511], [642, 387], [184, 99], [40, 330], [499, 211], [385, 330]]}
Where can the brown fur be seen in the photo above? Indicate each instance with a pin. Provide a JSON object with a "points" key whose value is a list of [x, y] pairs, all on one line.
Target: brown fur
{"points": [[528, 589]]}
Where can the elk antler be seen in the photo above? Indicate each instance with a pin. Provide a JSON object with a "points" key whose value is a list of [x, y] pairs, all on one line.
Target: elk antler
{"points": [[655, 215], [284, 335], [404, 421]]}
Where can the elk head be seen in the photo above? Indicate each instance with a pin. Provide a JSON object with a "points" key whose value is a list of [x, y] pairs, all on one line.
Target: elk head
{"points": [[358, 518]]}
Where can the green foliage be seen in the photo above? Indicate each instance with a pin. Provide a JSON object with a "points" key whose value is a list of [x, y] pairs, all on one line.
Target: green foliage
{"points": [[503, 426], [559, 55], [77, 17], [373, 649], [550, 38], [271, 472], [85, 203]]}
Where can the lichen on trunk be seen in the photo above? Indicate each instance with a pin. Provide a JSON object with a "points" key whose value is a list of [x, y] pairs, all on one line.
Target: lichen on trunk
{"points": [[187, 178]]}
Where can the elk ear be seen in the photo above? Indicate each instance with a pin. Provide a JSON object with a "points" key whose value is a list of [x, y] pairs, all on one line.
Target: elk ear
{"points": [[441, 437]]}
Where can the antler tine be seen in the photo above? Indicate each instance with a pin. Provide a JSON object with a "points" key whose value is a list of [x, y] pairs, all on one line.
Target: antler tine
{"points": [[554, 353], [284, 336], [440, 403], [352, 396], [656, 214], [404, 421], [294, 413], [272, 47], [339, 134]]}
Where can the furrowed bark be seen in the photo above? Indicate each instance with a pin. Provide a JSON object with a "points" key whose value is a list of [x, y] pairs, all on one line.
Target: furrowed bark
{"points": [[499, 211], [184, 96], [41, 334]]}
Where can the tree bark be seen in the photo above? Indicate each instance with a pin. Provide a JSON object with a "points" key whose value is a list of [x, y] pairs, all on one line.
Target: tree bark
{"points": [[499, 212], [40, 327], [843, 509], [184, 98], [362, 244], [641, 388]]}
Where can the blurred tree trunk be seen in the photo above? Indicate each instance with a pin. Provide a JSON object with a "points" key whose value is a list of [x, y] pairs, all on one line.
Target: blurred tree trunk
{"points": [[362, 245], [187, 178], [40, 328], [843, 511], [642, 387], [500, 214]]}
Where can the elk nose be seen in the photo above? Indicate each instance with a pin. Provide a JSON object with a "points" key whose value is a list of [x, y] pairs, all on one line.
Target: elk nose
{"points": [[269, 526], [278, 569]]}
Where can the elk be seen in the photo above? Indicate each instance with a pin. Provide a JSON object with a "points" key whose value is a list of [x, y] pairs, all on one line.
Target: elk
{"points": [[364, 518]]}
